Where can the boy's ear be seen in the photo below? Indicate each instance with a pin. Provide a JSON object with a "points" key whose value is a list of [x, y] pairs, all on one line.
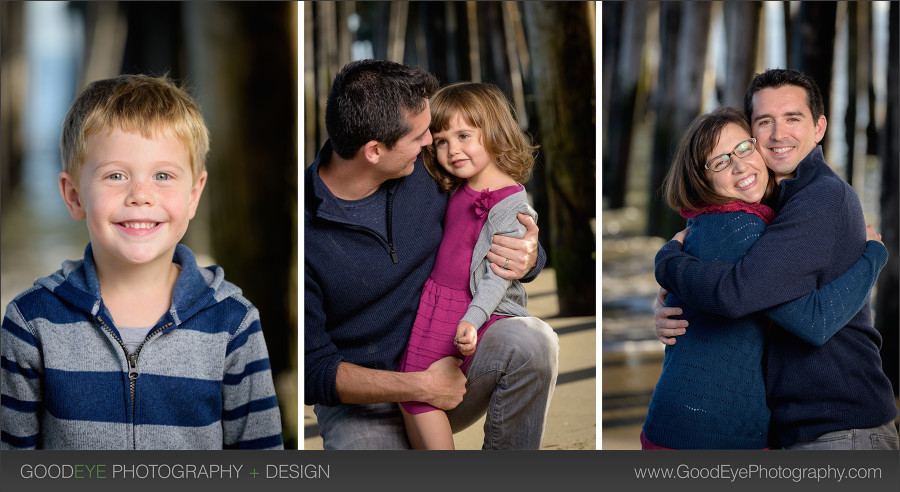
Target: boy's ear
{"points": [[69, 192], [196, 192], [372, 151]]}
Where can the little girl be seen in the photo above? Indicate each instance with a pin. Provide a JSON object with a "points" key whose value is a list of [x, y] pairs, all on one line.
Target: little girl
{"points": [[711, 393], [481, 155]]}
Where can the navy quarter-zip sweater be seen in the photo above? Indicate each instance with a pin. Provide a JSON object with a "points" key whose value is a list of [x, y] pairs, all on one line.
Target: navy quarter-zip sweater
{"points": [[819, 234], [362, 287]]}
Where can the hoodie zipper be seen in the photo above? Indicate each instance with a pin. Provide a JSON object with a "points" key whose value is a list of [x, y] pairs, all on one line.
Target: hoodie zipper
{"points": [[132, 368]]}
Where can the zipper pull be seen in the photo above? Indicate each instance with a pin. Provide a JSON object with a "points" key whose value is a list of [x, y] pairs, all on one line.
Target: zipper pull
{"points": [[394, 256], [132, 366]]}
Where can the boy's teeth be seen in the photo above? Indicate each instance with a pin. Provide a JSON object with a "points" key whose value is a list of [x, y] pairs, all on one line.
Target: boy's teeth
{"points": [[139, 225], [781, 150]]}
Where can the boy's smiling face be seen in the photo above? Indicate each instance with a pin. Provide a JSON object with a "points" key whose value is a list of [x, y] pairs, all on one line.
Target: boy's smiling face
{"points": [[137, 195]]}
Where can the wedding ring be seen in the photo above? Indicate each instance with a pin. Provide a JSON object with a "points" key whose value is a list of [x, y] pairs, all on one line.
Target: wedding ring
{"points": [[506, 264]]}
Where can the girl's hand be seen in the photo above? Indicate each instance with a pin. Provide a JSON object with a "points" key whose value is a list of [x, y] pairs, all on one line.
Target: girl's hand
{"points": [[872, 236], [466, 338]]}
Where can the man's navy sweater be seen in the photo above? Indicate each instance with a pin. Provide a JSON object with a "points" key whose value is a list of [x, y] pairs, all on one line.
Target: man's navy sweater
{"points": [[819, 233], [362, 288]]}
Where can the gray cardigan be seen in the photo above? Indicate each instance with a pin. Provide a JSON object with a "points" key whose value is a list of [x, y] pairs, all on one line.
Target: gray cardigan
{"points": [[493, 294]]}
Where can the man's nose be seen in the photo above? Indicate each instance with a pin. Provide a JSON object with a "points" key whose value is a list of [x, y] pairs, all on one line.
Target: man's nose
{"points": [[776, 131]]}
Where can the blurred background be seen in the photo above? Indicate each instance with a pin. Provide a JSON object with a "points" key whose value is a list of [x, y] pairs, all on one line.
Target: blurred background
{"points": [[666, 62], [542, 55], [239, 61]]}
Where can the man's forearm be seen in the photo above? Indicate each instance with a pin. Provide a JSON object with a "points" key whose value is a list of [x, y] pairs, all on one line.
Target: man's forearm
{"points": [[361, 385]]}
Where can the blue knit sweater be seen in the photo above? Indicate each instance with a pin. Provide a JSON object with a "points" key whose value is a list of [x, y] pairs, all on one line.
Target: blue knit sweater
{"points": [[711, 393], [362, 289], [200, 380], [818, 235]]}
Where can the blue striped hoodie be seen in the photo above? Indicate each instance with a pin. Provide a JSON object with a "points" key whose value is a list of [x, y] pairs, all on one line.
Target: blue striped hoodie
{"points": [[200, 380]]}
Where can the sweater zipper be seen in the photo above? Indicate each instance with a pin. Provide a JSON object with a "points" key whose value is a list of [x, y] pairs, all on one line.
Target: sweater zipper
{"points": [[390, 230], [132, 369], [387, 241]]}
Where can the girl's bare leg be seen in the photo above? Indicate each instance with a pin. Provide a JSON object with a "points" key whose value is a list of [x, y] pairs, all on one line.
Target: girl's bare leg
{"points": [[429, 430]]}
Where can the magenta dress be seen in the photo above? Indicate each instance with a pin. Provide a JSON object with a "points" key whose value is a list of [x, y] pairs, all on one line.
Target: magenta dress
{"points": [[445, 296]]}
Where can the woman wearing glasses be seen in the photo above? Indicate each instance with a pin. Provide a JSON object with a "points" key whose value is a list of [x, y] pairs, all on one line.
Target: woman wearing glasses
{"points": [[711, 392]]}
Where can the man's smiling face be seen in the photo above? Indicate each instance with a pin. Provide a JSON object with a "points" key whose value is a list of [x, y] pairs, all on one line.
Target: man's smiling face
{"points": [[784, 128]]}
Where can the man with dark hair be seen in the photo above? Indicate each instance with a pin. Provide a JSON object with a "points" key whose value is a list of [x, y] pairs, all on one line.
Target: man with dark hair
{"points": [[831, 397], [801, 126], [368, 101], [780, 77], [373, 222]]}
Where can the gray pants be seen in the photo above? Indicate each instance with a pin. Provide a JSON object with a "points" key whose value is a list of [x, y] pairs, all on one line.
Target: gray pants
{"points": [[881, 437], [511, 379]]}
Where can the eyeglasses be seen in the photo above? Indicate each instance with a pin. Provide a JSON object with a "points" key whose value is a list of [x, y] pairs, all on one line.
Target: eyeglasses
{"points": [[721, 163]]}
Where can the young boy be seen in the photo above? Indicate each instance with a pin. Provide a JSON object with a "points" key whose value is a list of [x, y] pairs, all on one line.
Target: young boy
{"points": [[135, 347]]}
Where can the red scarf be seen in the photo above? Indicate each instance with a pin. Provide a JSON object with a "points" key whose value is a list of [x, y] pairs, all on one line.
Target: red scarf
{"points": [[762, 211]]}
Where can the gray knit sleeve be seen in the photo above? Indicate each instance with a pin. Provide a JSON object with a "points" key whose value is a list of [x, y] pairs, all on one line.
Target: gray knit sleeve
{"points": [[492, 293]]}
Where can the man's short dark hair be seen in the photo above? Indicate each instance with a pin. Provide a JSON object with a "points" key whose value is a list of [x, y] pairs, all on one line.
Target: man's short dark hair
{"points": [[370, 99], [779, 77]]}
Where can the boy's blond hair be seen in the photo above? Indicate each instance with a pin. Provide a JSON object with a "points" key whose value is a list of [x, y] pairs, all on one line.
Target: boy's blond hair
{"points": [[485, 107], [133, 104]]}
